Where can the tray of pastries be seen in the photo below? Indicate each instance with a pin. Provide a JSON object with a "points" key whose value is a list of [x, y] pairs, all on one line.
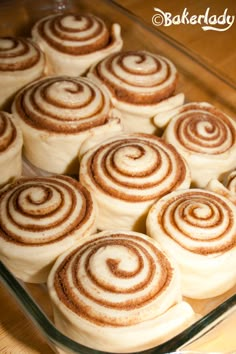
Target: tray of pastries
{"points": [[118, 180]]}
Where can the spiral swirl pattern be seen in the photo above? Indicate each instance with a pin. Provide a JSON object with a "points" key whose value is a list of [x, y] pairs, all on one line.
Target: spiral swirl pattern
{"points": [[116, 279], [134, 167], [8, 132], [137, 77], [198, 221], [201, 128], [74, 34], [63, 104], [18, 53], [43, 210]]}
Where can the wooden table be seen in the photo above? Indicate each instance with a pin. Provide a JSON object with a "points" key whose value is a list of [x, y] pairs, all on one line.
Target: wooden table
{"points": [[218, 48]]}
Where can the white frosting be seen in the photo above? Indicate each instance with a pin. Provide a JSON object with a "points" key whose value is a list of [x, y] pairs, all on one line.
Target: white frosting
{"points": [[50, 215], [85, 33], [65, 112], [11, 143], [127, 174], [16, 69], [197, 228], [125, 309], [206, 138]]}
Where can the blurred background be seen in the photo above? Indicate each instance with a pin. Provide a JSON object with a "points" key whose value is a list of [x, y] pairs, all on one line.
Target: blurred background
{"points": [[217, 48]]}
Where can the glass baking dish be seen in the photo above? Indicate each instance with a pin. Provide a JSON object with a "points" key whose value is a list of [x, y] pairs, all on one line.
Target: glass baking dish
{"points": [[199, 83]]}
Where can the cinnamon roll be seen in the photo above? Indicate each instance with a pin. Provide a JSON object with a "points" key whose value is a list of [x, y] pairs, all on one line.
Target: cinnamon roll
{"points": [[127, 174], [198, 229], [226, 187], [141, 85], [21, 62], [57, 114], [11, 142], [40, 218], [73, 42], [206, 137], [118, 292]]}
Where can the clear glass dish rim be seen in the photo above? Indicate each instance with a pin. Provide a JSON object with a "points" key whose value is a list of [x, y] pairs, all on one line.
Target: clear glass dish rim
{"points": [[177, 45], [30, 306], [49, 331], [165, 37]]}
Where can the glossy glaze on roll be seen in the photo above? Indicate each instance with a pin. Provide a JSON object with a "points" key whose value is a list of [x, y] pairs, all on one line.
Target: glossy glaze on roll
{"points": [[141, 84], [40, 218], [117, 291], [73, 42], [21, 62], [11, 143], [198, 229], [57, 114], [206, 137], [128, 173]]}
